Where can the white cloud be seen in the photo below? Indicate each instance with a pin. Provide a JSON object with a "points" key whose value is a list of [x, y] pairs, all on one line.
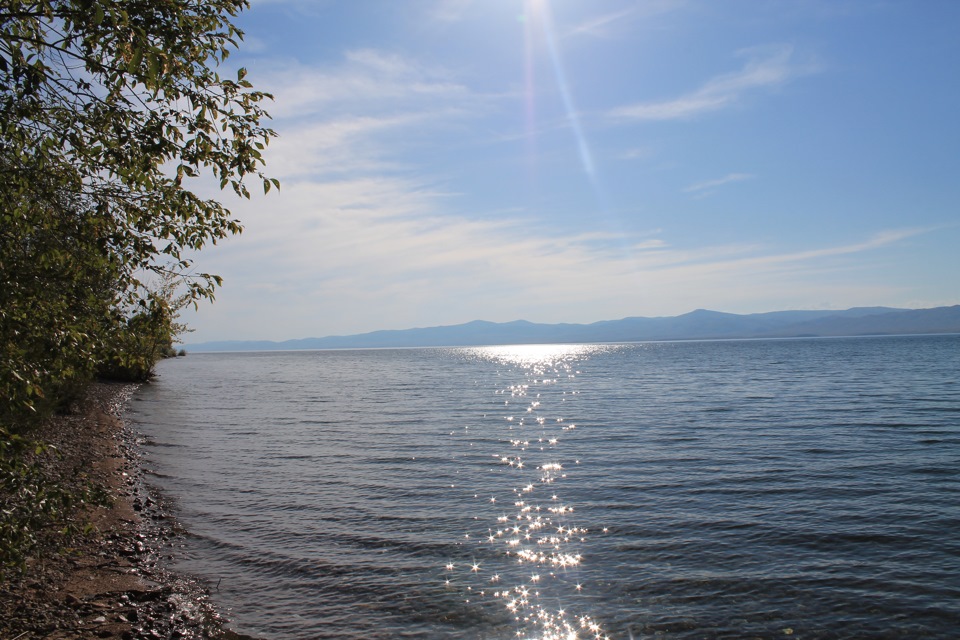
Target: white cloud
{"points": [[649, 244], [449, 10], [636, 153], [352, 243], [601, 26], [361, 114], [876, 241], [710, 184], [596, 26], [366, 81], [766, 68], [344, 145], [354, 255]]}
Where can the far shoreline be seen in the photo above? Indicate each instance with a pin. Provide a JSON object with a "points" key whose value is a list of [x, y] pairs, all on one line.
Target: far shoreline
{"points": [[544, 344], [701, 324]]}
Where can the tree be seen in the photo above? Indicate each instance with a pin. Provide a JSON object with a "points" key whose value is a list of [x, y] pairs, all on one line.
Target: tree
{"points": [[126, 94], [146, 333], [110, 112]]}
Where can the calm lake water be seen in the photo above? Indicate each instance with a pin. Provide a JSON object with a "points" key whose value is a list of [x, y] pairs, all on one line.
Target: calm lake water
{"points": [[769, 489]]}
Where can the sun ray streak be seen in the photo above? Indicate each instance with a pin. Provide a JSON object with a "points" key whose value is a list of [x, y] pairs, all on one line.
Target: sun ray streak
{"points": [[541, 9], [530, 111]]}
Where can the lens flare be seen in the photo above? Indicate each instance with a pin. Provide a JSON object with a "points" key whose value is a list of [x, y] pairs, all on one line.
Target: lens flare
{"points": [[538, 11]]}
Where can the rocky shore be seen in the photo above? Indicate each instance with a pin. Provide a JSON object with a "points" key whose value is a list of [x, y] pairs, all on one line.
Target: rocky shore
{"points": [[111, 583]]}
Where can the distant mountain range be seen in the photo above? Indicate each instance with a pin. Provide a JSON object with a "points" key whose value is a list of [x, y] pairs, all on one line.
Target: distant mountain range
{"points": [[696, 325]]}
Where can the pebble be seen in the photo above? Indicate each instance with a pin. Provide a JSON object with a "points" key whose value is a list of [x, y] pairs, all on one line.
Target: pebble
{"points": [[39, 610]]}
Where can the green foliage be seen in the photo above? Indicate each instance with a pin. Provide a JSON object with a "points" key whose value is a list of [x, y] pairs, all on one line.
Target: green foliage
{"points": [[122, 98], [37, 509], [33, 506], [57, 289], [109, 112], [146, 335]]}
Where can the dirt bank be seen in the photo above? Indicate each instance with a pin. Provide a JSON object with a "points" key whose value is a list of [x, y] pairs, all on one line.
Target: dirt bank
{"points": [[112, 583]]}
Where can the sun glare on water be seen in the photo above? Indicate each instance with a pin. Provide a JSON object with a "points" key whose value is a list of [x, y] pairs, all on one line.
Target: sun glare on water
{"points": [[529, 559]]}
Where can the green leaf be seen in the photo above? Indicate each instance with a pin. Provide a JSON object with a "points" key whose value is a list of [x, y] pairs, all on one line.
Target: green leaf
{"points": [[135, 60]]}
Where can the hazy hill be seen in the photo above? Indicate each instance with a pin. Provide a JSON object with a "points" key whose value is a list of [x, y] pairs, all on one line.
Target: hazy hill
{"points": [[696, 325]]}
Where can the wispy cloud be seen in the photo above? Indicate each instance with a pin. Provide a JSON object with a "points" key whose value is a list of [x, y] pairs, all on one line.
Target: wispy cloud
{"points": [[875, 241], [597, 26], [361, 114], [766, 68], [350, 144], [635, 153], [449, 10], [367, 81], [710, 184], [344, 245], [601, 25], [365, 233]]}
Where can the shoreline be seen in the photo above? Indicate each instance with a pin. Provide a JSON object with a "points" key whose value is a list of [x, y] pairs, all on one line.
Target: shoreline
{"points": [[111, 583]]}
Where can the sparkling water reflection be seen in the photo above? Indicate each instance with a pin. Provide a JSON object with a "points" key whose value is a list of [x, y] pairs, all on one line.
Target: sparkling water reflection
{"points": [[535, 542], [731, 489]]}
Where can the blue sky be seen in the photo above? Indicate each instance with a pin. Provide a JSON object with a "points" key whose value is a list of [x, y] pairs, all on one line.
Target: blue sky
{"points": [[444, 161]]}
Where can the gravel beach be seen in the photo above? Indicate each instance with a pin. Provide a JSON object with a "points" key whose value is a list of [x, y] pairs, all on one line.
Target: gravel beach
{"points": [[111, 583]]}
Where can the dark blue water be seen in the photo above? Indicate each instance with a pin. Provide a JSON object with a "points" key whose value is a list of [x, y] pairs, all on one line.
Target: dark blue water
{"points": [[768, 489]]}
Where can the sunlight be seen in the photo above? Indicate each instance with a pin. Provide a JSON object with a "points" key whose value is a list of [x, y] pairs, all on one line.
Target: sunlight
{"points": [[536, 356], [537, 547], [539, 11]]}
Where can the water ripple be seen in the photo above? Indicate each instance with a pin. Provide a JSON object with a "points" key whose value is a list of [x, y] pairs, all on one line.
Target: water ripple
{"points": [[803, 488]]}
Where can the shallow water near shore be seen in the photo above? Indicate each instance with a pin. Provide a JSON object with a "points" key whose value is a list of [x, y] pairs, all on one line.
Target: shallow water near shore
{"points": [[789, 488]]}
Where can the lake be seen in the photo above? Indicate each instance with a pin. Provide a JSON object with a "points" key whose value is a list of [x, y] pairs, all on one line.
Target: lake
{"points": [[773, 489]]}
